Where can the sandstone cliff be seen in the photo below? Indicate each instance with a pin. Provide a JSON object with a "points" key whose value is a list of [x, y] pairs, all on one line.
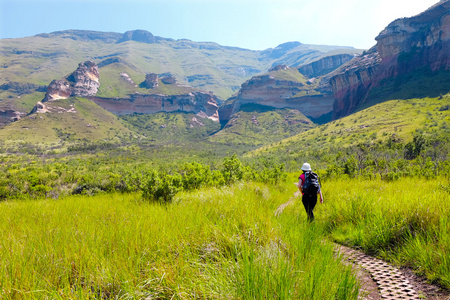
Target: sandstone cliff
{"points": [[196, 102], [354, 81], [151, 81], [325, 65], [405, 45], [83, 82], [283, 87]]}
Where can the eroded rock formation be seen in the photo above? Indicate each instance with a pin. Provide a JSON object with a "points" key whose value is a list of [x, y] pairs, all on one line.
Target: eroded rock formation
{"points": [[168, 79], [266, 90], [83, 82], [195, 102], [8, 116], [405, 45], [325, 65], [142, 36], [151, 81], [354, 81]]}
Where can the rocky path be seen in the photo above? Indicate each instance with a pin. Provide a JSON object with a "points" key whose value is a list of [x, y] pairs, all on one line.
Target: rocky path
{"points": [[381, 280], [390, 282]]}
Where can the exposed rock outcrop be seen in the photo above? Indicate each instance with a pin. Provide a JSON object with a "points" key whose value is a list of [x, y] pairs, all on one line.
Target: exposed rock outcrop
{"points": [[325, 65], [279, 67], [83, 82], [266, 90], [8, 116], [142, 36], [168, 79], [405, 45], [195, 102], [354, 81], [58, 89], [151, 81], [127, 79], [43, 108]]}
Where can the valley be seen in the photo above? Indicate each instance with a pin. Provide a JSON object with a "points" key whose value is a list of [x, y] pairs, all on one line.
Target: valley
{"points": [[134, 166]]}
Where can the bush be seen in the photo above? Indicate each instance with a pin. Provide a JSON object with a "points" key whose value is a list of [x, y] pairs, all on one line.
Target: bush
{"points": [[161, 187]]}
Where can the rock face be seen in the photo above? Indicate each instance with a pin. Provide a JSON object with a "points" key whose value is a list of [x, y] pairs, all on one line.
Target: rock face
{"points": [[168, 79], [151, 81], [195, 102], [83, 82], [58, 89], [279, 67], [266, 90], [8, 116], [405, 45], [142, 36], [354, 81], [325, 65]]}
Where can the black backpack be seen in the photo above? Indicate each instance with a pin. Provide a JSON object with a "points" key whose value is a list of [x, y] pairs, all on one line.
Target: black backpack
{"points": [[311, 185]]}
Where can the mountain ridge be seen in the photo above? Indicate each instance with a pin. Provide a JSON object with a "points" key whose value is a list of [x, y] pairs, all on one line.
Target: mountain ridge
{"points": [[417, 44]]}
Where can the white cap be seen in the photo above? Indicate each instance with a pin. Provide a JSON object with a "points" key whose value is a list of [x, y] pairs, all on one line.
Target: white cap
{"points": [[306, 167]]}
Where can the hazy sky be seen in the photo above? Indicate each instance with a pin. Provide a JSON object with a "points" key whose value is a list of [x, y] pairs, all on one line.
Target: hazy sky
{"points": [[252, 24]]}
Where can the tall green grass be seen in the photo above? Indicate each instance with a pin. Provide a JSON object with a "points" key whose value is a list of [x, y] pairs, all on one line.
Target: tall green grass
{"points": [[405, 221], [215, 243], [220, 243]]}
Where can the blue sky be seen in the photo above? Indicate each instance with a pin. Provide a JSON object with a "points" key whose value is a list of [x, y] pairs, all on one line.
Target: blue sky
{"points": [[252, 24]]}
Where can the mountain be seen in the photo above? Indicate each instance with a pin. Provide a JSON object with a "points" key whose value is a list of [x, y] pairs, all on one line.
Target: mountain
{"points": [[30, 64], [257, 96], [305, 88], [411, 59]]}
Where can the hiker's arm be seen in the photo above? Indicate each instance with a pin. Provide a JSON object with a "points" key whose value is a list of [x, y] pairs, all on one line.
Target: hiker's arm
{"points": [[321, 197], [300, 182]]}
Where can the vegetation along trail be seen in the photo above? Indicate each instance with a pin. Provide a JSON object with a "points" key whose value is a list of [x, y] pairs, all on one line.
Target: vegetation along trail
{"points": [[221, 242]]}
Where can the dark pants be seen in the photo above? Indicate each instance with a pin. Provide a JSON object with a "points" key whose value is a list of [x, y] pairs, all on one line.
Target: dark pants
{"points": [[309, 201]]}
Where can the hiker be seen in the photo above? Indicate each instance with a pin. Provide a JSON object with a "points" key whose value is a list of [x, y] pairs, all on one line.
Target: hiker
{"points": [[308, 184]]}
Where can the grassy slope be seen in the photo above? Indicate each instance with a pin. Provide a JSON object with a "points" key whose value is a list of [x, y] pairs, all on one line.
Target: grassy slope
{"points": [[292, 74], [90, 123], [232, 247], [416, 84], [165, 128], [379, 122], [116, 246], [206, 66], [397, 221], [258, 125]]}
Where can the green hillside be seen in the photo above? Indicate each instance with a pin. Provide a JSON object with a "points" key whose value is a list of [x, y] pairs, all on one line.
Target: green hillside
{"points": [[114, 85], [69, 121], [391, 123], [207, 66], [259, 125], [171, 128]]}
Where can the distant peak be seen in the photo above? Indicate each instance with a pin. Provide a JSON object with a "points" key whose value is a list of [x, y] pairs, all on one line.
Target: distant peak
{"points": [[139, 35], [289, 45]]}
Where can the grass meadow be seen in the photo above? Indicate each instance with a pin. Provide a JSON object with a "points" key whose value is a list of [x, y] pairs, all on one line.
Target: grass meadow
{"points": [[220, 243]]}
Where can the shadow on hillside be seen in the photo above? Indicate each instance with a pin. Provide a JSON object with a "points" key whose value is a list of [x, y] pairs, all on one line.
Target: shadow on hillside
{"points": [[421, 83]]}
